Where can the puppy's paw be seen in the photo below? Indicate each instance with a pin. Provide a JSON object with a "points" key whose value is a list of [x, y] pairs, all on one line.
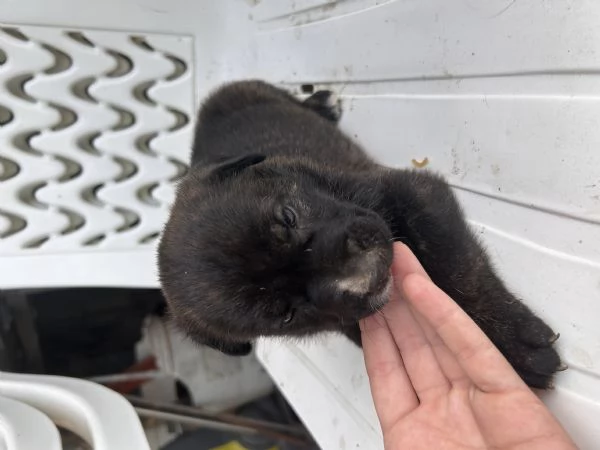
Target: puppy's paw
{"points": [[527, 344], [325, 103]]}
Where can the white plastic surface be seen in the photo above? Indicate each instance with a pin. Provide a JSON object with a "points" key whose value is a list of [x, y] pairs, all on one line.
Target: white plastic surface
{"points": [[25, 428], [100, 416], [501, 96], [96, 129]]}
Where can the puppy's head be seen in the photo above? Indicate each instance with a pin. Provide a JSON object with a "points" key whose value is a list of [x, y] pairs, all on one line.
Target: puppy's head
{"points": [[258, 248]]}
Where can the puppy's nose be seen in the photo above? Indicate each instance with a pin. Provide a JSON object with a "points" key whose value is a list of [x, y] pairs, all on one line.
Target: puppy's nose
{"points": [[365, 234]]}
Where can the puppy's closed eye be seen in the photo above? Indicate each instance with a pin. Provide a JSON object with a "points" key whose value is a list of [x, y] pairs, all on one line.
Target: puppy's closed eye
{"points": [[289, 216], [289, 316], [285, 224]]}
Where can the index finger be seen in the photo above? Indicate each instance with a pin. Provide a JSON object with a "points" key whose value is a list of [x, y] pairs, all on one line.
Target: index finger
{"points": [[479, 358]]}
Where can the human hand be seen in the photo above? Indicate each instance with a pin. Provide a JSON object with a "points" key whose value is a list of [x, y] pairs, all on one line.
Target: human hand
{"points": [[438, 382]]}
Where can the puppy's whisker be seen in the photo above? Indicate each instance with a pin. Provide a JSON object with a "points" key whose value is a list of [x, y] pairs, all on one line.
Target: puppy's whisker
{"points": [[380, 313]]}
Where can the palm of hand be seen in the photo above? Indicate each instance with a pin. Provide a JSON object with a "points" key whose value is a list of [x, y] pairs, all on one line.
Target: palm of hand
{"points": [[469, 418]]}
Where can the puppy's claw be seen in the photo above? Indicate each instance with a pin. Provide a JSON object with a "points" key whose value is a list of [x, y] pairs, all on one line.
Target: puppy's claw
{"points": [[562, 367], [554, 338]]}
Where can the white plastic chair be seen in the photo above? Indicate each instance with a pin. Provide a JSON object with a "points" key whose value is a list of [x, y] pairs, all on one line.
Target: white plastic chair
{"points": [[24, 427], [30, 405]]}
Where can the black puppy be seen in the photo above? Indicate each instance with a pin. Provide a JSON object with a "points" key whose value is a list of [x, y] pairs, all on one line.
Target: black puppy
{"points": [[284, 226]]}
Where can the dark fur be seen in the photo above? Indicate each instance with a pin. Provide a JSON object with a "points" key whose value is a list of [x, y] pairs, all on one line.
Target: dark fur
{"points": [[233, 269]]}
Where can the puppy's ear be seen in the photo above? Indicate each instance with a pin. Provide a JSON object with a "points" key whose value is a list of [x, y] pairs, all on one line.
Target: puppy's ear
{"points": [[229, 348], [234, 166]]}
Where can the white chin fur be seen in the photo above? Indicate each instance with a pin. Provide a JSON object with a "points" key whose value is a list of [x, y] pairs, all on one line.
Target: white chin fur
{"points": [[380, 300], [357, 285], [360, 283], [360, 286]]}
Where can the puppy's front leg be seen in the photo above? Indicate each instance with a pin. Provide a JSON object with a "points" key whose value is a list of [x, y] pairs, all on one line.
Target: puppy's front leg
{"points": [[426, 216]]}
